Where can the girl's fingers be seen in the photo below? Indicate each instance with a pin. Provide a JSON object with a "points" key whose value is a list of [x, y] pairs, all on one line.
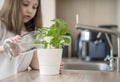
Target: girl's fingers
{"points": [[8, 40], [15, 39], [61, 67]]}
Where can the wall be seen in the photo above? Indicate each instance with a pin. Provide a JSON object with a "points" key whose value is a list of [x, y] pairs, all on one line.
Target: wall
{"points": [[91, 12], [118, 14]]}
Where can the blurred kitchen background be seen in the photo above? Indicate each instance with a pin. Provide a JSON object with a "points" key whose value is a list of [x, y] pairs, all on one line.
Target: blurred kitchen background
{"points": [[99, 13]]}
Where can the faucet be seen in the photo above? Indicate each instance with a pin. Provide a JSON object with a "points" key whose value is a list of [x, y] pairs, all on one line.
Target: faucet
{"points": [[114, 62], [111, 57]]}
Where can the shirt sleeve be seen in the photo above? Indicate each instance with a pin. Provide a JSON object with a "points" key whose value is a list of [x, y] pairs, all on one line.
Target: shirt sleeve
{"points": [[24, 61], [2, 32]]}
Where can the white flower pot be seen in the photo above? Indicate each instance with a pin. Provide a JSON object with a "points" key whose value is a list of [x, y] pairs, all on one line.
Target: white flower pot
{"points": [[49, 61]]}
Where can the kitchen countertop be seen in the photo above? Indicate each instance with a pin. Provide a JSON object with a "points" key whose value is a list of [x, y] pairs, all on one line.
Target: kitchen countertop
{"points": [[66, 76]]}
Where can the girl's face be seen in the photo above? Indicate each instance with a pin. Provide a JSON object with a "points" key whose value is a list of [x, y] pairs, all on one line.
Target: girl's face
{"points": [[29, 8]]}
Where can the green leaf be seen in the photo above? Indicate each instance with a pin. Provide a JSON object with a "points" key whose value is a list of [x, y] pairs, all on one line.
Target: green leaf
{"points": [[45, 44], [60, 22]]}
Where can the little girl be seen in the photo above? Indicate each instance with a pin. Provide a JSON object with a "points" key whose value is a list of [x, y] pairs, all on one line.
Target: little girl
{"points": [[18, 17]]}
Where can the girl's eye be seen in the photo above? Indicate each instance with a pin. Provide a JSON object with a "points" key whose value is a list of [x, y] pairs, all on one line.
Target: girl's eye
{"points": [[34, 7], [25, 4]]}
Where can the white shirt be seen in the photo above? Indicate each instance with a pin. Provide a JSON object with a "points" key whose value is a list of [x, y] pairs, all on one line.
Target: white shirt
{"points": [[12, 66]]}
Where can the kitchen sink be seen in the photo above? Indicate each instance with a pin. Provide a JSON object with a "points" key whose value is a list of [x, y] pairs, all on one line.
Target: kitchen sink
{"points": [[87, 66]]}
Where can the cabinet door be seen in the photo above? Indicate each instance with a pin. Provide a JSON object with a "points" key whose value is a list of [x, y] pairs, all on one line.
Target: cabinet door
{"points": [[48, 11], [1, 3]]}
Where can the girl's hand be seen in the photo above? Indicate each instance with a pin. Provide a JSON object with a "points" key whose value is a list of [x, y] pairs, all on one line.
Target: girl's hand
{"points": [[61, 66], [14, 46], [16, 39]]}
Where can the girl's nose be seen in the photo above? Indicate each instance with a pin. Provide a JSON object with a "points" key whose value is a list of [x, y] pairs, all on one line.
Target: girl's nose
{"points": [[30, 9]]}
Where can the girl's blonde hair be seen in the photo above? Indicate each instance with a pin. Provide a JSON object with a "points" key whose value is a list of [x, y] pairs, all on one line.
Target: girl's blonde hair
{"points": [[11, 15]]}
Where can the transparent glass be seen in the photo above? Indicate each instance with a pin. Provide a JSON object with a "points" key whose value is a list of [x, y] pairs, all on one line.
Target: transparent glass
{"points": [[25, 45]]}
